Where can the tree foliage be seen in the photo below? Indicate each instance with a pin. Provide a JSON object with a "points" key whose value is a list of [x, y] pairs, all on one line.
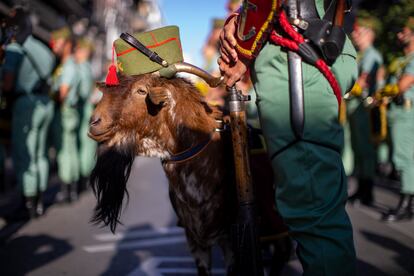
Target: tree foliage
{"points": [[393, 15]]}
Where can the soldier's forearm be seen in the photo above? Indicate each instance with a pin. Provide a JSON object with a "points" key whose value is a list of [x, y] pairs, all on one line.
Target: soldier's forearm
{"points": [[63, 92], [405, 83]]}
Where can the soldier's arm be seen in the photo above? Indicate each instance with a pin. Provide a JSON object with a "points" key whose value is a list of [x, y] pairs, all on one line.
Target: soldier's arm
{"points": [[370, 63], [407, 79], [228, 41], [243, 36], [63, 92], [68, 78], [12, 61], [363, 80], [231, 65], [405, 83]]}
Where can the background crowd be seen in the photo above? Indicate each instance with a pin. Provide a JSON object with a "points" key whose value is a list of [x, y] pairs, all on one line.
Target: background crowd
{"points": [[48, 92]]}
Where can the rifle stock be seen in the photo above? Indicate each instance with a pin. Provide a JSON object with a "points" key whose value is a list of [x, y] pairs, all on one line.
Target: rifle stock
{"points": [[244, 232]]}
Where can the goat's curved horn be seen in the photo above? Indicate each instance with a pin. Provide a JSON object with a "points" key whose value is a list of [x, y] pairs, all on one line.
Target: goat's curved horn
{"points": [[171, 70]]}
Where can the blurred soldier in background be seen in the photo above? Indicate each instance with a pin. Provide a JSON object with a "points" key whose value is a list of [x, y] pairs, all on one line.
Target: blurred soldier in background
{"points": [[66, 79], [369, 61], [401, 119], [3, 120], [214, 95], [233, 5], [87, 146], [27, 67]]}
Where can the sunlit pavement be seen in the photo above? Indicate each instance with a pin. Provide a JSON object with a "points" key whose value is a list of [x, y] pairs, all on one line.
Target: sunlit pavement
{"points": [[63, 242]]}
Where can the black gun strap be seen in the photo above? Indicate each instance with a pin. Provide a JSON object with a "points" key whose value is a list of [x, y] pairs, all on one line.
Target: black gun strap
{"points": [[143, 49]]}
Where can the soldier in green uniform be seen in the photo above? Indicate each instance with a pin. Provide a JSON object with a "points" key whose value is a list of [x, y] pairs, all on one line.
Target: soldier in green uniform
{"points": [[311, 183], [27, 66], [87, 146], [65, 88], [401, 120], [3, 123], [369, 61]]}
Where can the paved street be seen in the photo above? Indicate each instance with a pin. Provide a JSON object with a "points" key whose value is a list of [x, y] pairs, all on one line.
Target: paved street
{"points": [[63, 242]]}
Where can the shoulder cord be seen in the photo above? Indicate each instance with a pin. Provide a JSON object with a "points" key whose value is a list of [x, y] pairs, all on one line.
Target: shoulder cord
{"points": [[298, 44]]}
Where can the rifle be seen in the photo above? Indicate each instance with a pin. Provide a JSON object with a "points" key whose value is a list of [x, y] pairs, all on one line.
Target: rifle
{"points": [[244, 233]]}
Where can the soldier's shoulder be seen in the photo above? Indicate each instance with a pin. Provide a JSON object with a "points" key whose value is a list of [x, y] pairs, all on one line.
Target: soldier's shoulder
{"points": [[409, 68], [14, 48], [410, 59], [70, 64], [38, 49], [373, 53]]}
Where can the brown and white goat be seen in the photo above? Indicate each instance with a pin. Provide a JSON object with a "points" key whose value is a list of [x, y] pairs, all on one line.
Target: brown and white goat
{"points": [[157, 117]]}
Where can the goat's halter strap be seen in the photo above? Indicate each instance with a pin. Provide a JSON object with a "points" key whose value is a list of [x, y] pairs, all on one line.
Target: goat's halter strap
{"points": [[143, 49], [197, 149], [188, 154]]}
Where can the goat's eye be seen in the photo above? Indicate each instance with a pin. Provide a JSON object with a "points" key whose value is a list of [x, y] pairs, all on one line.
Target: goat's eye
{"points": [[141, 91]]}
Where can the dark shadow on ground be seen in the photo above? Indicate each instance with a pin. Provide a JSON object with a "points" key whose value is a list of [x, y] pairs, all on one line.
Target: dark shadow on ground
{"points": [[11, 208], [127, 259], [403, 253], [26, 253], [366, 269]]}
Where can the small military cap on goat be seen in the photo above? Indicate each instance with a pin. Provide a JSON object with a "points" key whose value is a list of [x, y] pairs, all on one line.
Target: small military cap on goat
{"points": [[164, 41]]}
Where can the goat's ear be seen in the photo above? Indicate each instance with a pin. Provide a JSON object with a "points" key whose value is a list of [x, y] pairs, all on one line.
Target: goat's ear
{"points": [[159, 95]]}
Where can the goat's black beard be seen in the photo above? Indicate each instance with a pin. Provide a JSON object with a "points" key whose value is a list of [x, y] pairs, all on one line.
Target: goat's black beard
{"points": [[108, 181]]}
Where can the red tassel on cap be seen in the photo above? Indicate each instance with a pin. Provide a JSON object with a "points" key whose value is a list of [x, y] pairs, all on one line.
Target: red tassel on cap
{"points": [[112, 77]]}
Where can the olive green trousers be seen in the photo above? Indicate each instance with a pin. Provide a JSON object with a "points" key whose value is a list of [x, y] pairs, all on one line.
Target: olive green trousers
{"points": [[31, 119], [68, 153], [311, 183], [87, 146], [401, 122], [363, 149]]}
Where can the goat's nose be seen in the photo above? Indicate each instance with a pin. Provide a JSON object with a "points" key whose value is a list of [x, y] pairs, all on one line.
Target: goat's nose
{"points": [[95, 120]]}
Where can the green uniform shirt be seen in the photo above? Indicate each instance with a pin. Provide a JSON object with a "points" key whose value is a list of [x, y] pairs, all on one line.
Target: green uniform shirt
{"points": [[409, 70], [369, 62], [403, 65], [85, 81], [67, 74], [17, 62]]}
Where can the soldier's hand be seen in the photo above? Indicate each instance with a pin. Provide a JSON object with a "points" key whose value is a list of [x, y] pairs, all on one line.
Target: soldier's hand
{"points": [[228, 41], [233, 71]]}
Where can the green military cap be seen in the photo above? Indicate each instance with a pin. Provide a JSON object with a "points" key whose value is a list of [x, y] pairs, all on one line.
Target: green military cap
{"points": [[164, 41], [410, 23], [218, 23], [61, 33], [85, 43], [368, 21]]}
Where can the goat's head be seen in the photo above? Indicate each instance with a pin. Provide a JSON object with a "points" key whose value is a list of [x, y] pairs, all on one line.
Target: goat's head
{"points": [[128, 113], [141, 116]]}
